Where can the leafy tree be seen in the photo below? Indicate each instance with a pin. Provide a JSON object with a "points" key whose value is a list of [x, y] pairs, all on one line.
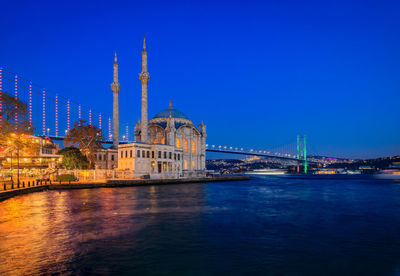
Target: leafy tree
{"points": [[88, 138], [16, 135], [14, 108], [18, 144], [73, 159]]}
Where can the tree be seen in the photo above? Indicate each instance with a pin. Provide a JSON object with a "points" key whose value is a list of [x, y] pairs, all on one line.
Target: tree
{"points": [[73, 159], [88, 138], [20, 144], [16, 131], [12, 109]]}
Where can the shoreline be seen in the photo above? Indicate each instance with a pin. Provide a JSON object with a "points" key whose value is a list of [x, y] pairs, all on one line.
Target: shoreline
{"points": [[117, 183]]}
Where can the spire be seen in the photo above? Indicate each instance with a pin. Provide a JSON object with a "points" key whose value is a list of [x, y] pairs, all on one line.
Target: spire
{"points": [[115, 87], [144, 78], [170, 105]]}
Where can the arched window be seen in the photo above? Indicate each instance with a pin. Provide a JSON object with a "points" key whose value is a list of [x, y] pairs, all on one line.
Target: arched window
{"points": [[186, 165], [193, 146], [193, 165], [155, 141], [186, 145], [163, 141], [178, 143]]}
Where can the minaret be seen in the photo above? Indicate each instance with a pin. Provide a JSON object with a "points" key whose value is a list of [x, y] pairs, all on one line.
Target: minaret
{"points": [[115, 88], [144, 77]]}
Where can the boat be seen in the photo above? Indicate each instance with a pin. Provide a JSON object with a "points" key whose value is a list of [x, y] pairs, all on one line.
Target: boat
{"points": [[267, 172], [393, 174]]}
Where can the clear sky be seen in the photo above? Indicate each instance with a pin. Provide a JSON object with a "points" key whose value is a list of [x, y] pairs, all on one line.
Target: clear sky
{"points": [[257, 72]]}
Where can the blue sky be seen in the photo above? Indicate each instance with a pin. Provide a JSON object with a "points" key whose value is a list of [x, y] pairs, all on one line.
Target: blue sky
{"points": [[257, 72]]}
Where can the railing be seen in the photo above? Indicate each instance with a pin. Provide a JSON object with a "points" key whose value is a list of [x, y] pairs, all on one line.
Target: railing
{"points": [[9, 185]]}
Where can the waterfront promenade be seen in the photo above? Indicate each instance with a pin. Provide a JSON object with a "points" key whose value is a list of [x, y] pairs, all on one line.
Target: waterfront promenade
{"points": [[8, 189]]}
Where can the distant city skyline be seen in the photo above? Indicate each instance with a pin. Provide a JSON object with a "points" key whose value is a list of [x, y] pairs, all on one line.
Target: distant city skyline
{"points": [[258, 74]]}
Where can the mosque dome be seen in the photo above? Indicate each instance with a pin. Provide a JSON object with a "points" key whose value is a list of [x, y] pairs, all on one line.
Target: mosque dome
{"points": [[175, 113], [161, 118]]}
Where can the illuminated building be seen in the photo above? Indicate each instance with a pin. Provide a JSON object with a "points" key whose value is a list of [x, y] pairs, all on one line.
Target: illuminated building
{"points": [[168, 145], [45, 156]]}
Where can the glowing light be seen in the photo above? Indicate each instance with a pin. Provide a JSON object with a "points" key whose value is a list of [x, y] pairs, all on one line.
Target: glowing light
{"points": [[127, 133], [100, 120], [79, 114], [90, 116], [30, 103], [56, 128], [109, 128], [68, 115], [15, 107], [44, 113], [305, 155]]}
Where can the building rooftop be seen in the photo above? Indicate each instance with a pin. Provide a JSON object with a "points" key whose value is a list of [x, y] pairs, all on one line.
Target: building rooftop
{"points": [[175, 113]]}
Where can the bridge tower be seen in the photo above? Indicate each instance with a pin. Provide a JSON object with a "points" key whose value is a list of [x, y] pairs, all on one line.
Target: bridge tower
{"points": [[115, 88], [144, 77], [302, 153]]}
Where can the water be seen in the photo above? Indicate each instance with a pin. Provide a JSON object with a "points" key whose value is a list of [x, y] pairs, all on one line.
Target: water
{"points": [[261, 226]]}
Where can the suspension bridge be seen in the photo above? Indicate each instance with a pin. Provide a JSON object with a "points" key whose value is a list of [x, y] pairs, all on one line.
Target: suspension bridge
{"points": [[53, 115]]}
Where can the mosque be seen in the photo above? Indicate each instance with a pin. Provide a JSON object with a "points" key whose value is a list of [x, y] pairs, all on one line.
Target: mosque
{"points": [[167, 146]]}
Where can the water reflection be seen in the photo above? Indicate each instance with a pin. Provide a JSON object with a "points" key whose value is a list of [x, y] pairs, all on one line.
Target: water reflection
{"points": [[46, 232], [256, 227]]}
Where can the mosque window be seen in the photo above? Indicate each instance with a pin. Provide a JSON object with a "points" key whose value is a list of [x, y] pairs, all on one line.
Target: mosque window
{"points": [[186, 145], [165, 155], [122, 154], [159, 154], [179, 156], [163, 141], [130, 154], [112, 157], [155, 141], [174, 156], [170, 155], [178, 143], [193, 146], [148, 154], [126, 154], [99, 157], [152, 154], [186, 165], [143, 154], [193, 165], [138, 153]]}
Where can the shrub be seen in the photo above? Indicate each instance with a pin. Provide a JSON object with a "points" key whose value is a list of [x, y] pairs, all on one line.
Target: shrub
{"points": [[65, 177]]}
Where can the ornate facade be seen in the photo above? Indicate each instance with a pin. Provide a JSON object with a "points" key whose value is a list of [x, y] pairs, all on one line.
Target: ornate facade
{"points": [[168, 145]]}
